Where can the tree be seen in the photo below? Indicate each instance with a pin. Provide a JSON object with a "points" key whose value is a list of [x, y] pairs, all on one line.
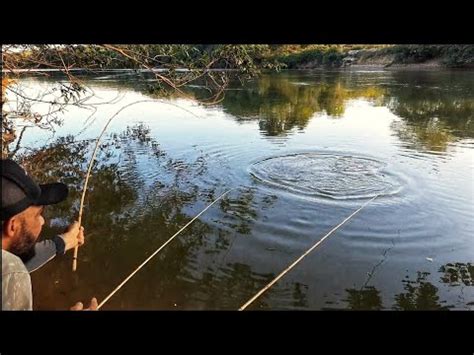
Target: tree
{"points": [[174, 67]]}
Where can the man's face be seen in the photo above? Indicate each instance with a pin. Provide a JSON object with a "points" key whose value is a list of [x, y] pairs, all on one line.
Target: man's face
{"points": [[31, 223]]}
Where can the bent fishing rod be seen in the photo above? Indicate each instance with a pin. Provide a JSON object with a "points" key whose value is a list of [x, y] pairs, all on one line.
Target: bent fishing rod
{"points": [[74, 263], [91, 163]]}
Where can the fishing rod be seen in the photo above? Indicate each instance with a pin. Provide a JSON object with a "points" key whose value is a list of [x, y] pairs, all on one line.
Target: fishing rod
{"points": [[91, 163], [158, 250], [89, 169], [271, 283]]}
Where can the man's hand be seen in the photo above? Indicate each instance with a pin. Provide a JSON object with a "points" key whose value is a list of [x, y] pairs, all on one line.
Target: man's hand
{"points": [[80, 307], [74, 235]]}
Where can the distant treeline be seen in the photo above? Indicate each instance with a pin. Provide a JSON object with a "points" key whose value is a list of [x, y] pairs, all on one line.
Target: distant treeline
{"points": [[294, 57], [252, 56]]}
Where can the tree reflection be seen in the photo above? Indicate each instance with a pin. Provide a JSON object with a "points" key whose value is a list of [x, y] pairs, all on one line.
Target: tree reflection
{"points": [[128, 215], [120, 219], [435, 109], [240, 212], [230, 286], [299, 296], [458, 273], [420, 295], [280, 104], [366, 298]]}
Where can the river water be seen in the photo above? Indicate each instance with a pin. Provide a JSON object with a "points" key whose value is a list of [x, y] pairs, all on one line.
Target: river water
{"points": [[302, 151]]}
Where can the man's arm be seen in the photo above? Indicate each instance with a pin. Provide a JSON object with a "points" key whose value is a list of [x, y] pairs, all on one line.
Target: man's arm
{"points": [[45, 251], [59, 245]]}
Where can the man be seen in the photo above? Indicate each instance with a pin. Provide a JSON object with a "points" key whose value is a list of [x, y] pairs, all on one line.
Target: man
{"points": [[23, 201]]}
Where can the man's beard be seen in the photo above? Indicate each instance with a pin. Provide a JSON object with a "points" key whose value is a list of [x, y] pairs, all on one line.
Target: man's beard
{"points": [[24, 245]]}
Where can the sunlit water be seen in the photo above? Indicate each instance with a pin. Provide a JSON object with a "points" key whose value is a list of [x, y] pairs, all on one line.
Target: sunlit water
{"points": [[302, 150]]}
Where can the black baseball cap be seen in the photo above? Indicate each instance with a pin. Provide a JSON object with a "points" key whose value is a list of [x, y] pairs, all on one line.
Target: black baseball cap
{"points": [[19, 191]]}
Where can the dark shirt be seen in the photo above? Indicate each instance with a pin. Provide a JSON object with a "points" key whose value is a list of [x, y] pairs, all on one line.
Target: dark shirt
{"points": [[45, 251]]}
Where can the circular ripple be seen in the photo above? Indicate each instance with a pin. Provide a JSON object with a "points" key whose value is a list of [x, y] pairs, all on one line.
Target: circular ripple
{"points": [[327, 175]]}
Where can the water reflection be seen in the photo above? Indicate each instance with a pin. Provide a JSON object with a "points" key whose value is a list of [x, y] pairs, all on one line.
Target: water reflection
{"points": [[129, 215], [435, 108], [420, 295], [141, 193], [124, 222], [435, 111], [457, 274], [227, 287], [240, 212], [280, 104], [367, 298]]}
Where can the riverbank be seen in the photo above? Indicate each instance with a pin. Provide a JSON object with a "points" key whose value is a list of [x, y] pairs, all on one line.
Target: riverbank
{"points": [[431, 65], [246, 58], [380, 56]]}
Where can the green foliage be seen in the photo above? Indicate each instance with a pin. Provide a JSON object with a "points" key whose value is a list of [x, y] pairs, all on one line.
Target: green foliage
{"points": [[408, 54], [173, 66], [166, 56], [318, 55], [297, 56], [448, 55], [458, 55]]}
